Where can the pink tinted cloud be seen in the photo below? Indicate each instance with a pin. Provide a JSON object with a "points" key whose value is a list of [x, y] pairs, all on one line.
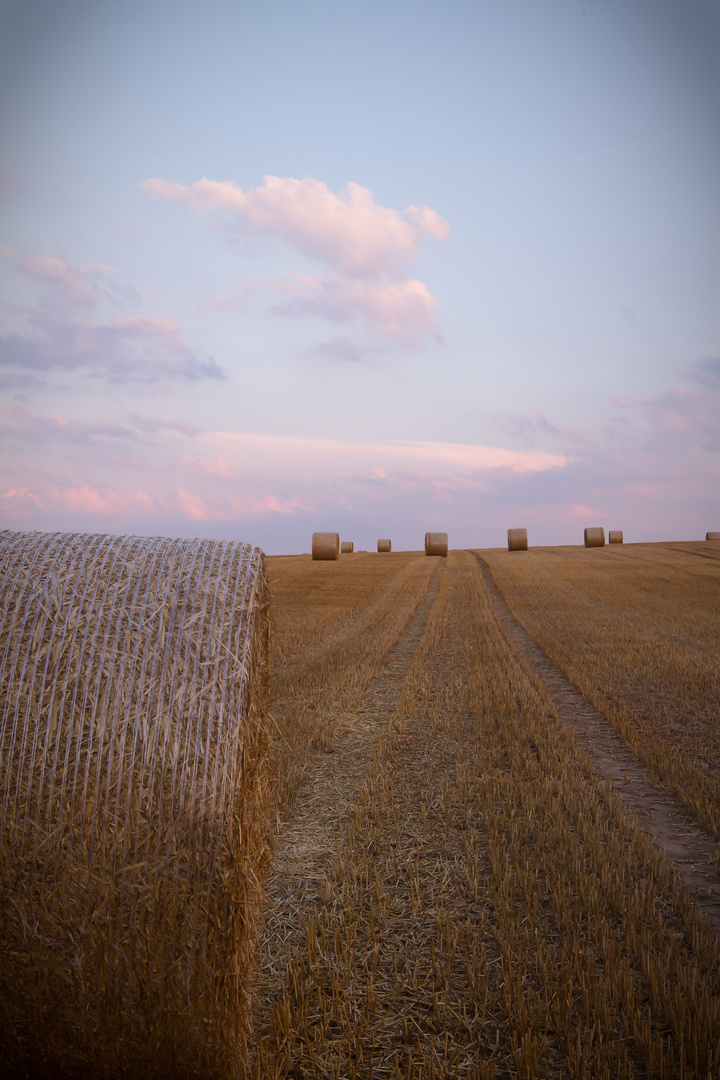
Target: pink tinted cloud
{"points": [[21, 426], [349, 231], [261, 488], [231, 505], [326, 459], [87, 499], [220, 466], [64, 330], [83, 283], [15, 501], [365, 245], [579, 510], [401, 310], [192, 506], [134, 326], [679, 419]]}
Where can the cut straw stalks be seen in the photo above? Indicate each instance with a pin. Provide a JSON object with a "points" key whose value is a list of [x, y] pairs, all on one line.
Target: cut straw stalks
{"points": [[325, 546], [436, 543], [595, 537], [494, 912], [133, 735]]}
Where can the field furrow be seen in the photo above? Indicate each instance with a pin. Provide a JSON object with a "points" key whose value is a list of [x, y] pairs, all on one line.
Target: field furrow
{"points": [[636, 629], [662, 815]]}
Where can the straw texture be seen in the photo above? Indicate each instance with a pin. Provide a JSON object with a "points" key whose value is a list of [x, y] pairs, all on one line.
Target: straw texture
{"points": [[347, 547], [615, 536], [384, 545], [133, 713], [325, 545], [595, 537], [712, 536], [517, 540], [436, 543]]}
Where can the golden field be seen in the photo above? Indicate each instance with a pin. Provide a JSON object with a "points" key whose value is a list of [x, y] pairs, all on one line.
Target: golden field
{"points": [[454, 890], [390, 816], [637, 630]]}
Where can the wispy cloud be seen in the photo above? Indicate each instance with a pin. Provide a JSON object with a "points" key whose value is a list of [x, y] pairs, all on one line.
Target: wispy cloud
{"points": [[22, 427], [533, 426], [653, 473], [325, 458], [403, 310], [628, 145], [683, 418], [366, 247], [65, 331], [81, 283]]}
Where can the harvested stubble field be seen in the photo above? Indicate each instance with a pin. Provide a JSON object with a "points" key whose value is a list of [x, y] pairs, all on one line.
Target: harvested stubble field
{"points": [[455, 890], [637, 630]]}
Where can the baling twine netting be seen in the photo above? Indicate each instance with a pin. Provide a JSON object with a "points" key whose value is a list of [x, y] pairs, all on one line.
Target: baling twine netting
{"points": [[133, 677]]}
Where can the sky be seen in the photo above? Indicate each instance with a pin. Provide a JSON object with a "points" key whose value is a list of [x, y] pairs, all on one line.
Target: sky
{"points": [[378, 268]]}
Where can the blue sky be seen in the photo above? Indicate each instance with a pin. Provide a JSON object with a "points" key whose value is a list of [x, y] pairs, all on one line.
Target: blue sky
{"points": [[373, 267]]}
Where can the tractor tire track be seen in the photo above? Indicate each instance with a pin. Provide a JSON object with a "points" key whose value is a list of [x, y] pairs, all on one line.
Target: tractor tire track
{"points": [[306, 846], [662, 816]]}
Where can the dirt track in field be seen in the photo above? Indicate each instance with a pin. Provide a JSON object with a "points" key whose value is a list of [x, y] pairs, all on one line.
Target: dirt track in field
{"points": [[662, 816], [307, 844]]}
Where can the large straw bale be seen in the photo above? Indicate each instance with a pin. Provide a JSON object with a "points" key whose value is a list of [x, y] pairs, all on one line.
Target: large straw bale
{"points": [[517, 540], [347, 547], [133, 735], [436, 543], [712, 536], [325, 545], [384, 545], [595, 537], [615, 536]]}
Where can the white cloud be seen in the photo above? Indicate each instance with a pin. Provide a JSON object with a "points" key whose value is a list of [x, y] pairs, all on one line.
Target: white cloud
{"points": [[366, 247], [349, 232]]}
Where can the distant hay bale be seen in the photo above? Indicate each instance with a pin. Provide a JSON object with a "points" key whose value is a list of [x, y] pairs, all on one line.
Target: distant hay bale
{"points": [[436, 543], [595, 537], [384, 545], [712, 536], [517, 539], [133, 772], [347, 547], [325, 545], [615, 536]]}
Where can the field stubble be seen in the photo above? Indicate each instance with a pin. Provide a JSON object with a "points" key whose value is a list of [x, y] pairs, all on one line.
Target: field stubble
{"points": [[490, 909], [637, 630]]}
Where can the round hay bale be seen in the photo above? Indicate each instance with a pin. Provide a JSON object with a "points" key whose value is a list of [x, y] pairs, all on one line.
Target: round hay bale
{"points": [[436, 543], [133, 771], [595, 537], [325, 545], [615, 536], [384, 545], [517, 539], [712, 536], [347, 547]]}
